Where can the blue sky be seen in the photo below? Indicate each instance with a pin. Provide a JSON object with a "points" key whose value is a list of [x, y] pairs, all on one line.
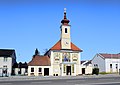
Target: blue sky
{"points": [[26, 25]]}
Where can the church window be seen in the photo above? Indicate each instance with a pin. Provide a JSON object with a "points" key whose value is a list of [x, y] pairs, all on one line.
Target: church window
{"points": [[65, 30], [56, 57], [75, 57], [73, 68], [66, 57], [64, 68]]}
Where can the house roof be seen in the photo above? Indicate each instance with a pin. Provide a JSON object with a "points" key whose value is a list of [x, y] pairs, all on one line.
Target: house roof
{"points": [[20, 65], [58, 46], [105, 55], [6, 52], [39, 60], [81, 62], [86, 62]]}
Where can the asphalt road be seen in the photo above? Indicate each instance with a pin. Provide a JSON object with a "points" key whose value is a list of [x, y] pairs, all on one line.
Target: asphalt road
{"points": [[85, 81]]}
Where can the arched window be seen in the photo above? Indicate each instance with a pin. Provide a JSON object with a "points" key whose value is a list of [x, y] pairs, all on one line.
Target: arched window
{"points": [[65, 30]]}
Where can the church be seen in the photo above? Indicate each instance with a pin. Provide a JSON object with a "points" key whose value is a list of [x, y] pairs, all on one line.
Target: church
{"points": [[60, 60]]}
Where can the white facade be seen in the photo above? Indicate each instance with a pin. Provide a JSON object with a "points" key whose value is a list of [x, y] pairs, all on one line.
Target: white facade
{"points": [[5, 64], [37, 72], [115, 65], [7, 61], [106, 64], [86, 67], [23, 71]]}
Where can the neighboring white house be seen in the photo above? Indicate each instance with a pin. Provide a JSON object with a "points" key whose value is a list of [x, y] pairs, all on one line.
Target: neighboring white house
{"points": [[86, 67], [106, 62], [20, 68], [39, 66], [7, 59]]}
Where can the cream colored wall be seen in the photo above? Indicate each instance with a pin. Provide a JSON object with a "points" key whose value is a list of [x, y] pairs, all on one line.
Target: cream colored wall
{"points": [[52, 61], [36, 69], [56, 69], [65, 37], [78, 65], [88, 69], [56, 66]]}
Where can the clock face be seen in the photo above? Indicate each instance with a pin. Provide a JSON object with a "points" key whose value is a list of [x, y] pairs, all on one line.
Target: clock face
{"points": [[66, 43]]}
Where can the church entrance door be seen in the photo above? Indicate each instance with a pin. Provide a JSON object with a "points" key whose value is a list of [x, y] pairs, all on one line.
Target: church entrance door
{"points": [[68, 70]]}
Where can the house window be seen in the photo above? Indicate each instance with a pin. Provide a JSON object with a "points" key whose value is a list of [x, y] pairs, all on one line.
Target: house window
{"points": [[5, 59], [40, 69], [32, 69], [95, 65], [65, 30], [5, 69], [110, 65], [26, 70], [4, 66], [116, 66]]}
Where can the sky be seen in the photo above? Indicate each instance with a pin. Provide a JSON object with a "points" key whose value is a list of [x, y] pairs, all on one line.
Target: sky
{"points": [[29, 24]]}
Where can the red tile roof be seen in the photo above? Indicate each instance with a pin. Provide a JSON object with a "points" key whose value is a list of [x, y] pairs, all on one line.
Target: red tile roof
{"points": [[57, 46], [39, 61], [116, 56]]}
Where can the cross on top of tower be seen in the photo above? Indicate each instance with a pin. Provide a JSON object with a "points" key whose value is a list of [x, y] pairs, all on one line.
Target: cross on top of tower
{"points": [[65, 10], [65, 21]]}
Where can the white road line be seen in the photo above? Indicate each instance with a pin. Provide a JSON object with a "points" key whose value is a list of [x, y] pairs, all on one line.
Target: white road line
{"points": [[106, 79], [5, 83], [41, 82], [99, 83], [75, 80]]}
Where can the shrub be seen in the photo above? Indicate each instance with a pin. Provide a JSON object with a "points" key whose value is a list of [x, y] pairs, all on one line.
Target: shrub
{"points": [[95, 71]]}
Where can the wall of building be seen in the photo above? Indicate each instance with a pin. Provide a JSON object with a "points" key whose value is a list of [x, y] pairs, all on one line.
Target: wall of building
{"points": [[7, 63], [97, 60], [57, 65], [13, 58], [36, 70], [113, 62], [88, 68], [23, 71]]}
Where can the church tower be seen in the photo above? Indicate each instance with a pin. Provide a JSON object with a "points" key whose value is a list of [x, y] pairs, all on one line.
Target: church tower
{"points": [[65, 33]]}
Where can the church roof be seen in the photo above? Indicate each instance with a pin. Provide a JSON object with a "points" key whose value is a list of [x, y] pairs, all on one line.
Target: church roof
{"points": [[58, 46], [39, 60]]}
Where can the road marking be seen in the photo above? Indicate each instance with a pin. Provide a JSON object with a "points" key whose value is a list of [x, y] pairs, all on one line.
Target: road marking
{"points": [[99, 83], [106, 79], [75, 80], [5, 83], [41, 82]]}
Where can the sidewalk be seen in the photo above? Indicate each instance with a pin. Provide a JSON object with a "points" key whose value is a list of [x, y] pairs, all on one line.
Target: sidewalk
{"points": [[22, 78]]}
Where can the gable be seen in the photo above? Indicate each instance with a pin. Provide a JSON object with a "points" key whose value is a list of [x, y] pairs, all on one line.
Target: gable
{"points": [[57, 46]]}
